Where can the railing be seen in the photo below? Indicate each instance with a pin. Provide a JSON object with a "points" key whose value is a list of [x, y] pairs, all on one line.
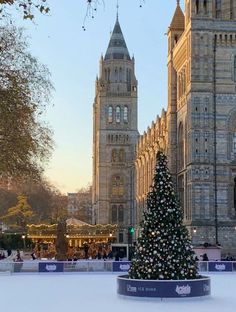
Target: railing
{"points": [[96, 266]]}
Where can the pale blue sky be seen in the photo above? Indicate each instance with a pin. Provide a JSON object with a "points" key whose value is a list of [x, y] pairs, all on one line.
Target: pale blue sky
{"points": [[72, 55]]}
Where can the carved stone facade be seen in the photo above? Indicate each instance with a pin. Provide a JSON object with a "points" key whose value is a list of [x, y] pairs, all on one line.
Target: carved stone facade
{"points": [[148, 145], [197, 131], [200, 121], [115, 136]]}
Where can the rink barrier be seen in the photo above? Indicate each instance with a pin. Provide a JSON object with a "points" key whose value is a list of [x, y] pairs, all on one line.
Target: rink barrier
{"points": [[163, 288], [35, 266]]}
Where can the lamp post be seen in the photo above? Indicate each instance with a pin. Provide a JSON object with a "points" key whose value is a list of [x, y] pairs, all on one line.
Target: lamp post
{"points": [[23, 238]]}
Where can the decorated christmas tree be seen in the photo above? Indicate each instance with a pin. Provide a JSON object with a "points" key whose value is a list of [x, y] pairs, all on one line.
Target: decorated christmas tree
{"points": [[163, 250]]}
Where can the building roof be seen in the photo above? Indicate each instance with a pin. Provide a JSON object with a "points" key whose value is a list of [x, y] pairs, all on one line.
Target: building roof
{"points": [[117, 48], [178, 19], [74, 221]]}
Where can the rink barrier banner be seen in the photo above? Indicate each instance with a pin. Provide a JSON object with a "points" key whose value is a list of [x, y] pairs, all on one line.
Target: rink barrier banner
{"points": [[97, 266], [220, 266], [51, 267], [121, 266], [163, 288]]}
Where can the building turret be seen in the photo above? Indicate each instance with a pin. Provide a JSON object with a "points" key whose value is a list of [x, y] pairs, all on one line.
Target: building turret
{"points": [[117, 68], [176, 27], [174, 33], [115, 136]]}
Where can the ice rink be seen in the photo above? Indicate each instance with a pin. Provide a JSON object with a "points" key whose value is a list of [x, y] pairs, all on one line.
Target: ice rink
{"points": [[97, 292]]}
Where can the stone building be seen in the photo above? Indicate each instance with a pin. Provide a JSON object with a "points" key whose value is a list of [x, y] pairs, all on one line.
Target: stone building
{"points": [[80, 204], [73, 205], [115, 135], [149, 143], [197, 131], [200, 121]]}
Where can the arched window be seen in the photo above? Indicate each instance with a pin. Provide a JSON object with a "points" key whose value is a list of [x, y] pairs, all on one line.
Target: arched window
{"points": [[197, 6], [121, 214], [180, 86], [231, 9], [218, 8], [116, 74], [122, 155], [184, 81], [232, 136], [128, 78], [118, 114], [205, 6], [113, 214], [181, 191], [114, 155], [117, 214], [110, 114], [180, 146], [175, 39], [234, 68], [120, 74], [182, 78], [117, 186], [125, 114], [128, 75], [234, 143]]}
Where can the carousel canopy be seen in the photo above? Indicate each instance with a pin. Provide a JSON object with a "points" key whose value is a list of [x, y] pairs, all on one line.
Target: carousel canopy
{"points": [[74, 221]]}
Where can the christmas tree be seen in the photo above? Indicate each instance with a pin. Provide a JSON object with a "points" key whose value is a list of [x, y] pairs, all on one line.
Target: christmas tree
{"points": [[163, 250]]}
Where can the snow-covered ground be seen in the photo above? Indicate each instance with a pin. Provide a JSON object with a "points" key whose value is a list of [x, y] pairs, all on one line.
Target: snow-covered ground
{"points": [[97, 293]]}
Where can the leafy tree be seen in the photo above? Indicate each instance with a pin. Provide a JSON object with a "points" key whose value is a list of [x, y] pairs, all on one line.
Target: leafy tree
{"points": [[59, 207], [25, 140], [164, 249], [7, 199], [41, 198], [84, 202], [48, 204], [20, 214]]}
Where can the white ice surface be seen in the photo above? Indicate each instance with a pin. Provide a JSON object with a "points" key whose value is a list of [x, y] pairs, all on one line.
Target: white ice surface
{"points": [[97, 293]]}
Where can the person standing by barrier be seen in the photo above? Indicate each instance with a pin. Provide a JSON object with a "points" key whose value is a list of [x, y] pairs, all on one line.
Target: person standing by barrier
{"points": [[229, 257], [121, 254], [117, 258], [104, 254], [205, 257], [18, 256], [110, 254]]}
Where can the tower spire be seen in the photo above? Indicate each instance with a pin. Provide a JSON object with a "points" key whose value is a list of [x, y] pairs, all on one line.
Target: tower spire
{"points": [[117, 10], [178, 18], [117, 48]]}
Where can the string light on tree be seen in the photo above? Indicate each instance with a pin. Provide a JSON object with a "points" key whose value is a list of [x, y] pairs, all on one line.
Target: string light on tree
{"points": [[163, 250]]}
